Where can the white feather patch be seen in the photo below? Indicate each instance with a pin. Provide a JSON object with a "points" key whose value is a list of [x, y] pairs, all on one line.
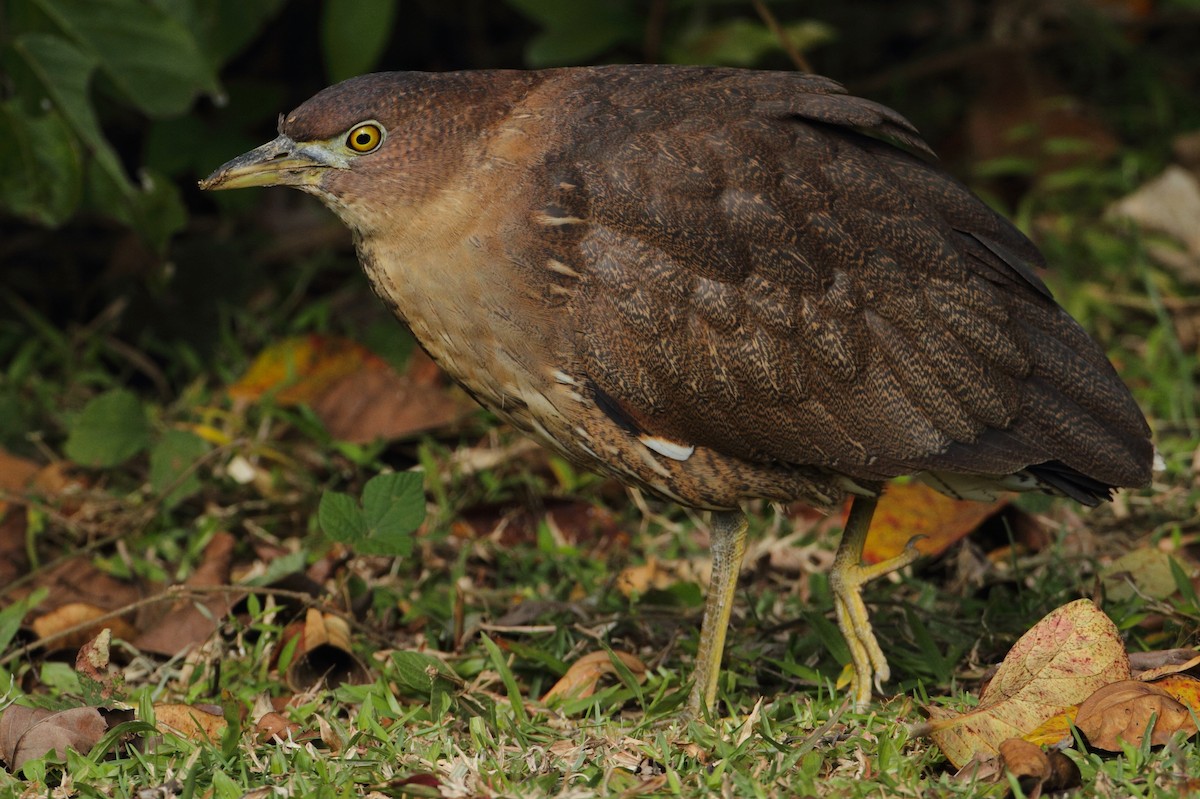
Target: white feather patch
{"points": [[667, 448]]}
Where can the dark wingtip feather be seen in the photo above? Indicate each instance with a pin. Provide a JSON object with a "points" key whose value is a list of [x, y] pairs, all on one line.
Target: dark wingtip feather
{"points": [[1071, 483]]}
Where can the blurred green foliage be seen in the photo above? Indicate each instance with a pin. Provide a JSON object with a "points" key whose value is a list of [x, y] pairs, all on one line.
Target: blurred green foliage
{"points": [[80, 75]]}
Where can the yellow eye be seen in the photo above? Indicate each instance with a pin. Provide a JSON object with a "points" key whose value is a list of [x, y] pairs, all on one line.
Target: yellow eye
{"points": [[365, 138]]}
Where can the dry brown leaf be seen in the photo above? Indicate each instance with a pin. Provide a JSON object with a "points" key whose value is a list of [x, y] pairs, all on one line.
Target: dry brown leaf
{"points": [[1027, 762], [911, 509], [376, 402], [76, 613], [1170, 204], [199, 723], [357, 394], [27, 733], [18, 475], [581, 679], [92, 663], [651, 575], [15, 472], [275, 726], [1121, 711], [79, 580], [1069, 654], [175, 628]]}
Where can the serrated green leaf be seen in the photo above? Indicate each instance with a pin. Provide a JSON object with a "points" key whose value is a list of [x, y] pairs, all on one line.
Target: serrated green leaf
{"points": [[394, 506], [173, 455], [353, 35], [111, 429], [341, 518]]}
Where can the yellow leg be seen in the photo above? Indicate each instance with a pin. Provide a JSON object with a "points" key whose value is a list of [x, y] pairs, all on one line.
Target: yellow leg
{"points": [[846, 580], [728, 548]]}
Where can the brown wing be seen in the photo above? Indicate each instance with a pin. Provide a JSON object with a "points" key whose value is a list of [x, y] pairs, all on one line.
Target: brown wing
{"points": [[762, 278]]}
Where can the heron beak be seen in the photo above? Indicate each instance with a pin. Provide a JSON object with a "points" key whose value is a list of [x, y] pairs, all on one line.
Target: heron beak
{"points": [[280, 162]]}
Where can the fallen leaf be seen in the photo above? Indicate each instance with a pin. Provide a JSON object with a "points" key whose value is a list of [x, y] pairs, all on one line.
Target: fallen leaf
{"points": [[581, 679], [1183, 689], [275, 726], [653, 574], [74, 614], [202, 724], [1027, 763], [173, 629], [27, 733], [298, 369], [1146, 570], [1120, 713], [92, 665], [1170, 204], [1053, 730], [376, 402], [1065, 658], [911, 509], [355, 393]]}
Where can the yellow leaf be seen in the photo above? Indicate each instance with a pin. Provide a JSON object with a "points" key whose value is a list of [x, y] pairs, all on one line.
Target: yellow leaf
{"points": [[299, 369], [909, 509], [1065, 658]]}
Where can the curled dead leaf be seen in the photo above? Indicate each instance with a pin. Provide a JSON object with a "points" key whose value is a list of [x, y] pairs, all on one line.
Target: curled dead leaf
{"points": [[581, 679], [323, 654], [1027, 762], [1120, 713]]}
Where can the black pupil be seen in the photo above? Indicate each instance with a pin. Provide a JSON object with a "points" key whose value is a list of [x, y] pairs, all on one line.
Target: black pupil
{"points": [[363, 138]]}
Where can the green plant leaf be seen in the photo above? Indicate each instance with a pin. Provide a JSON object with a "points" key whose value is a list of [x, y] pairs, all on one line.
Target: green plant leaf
{"points": [[148, 55], [341, 517], [222, 27], [41, 172], [353, 35], [743, 42], [576, 32], [393, 507], [174, 454], [418, 673], [111, 429], [61, 72]]}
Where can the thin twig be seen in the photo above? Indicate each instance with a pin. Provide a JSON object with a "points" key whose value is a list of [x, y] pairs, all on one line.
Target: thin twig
{"points": [[785, 41]]}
